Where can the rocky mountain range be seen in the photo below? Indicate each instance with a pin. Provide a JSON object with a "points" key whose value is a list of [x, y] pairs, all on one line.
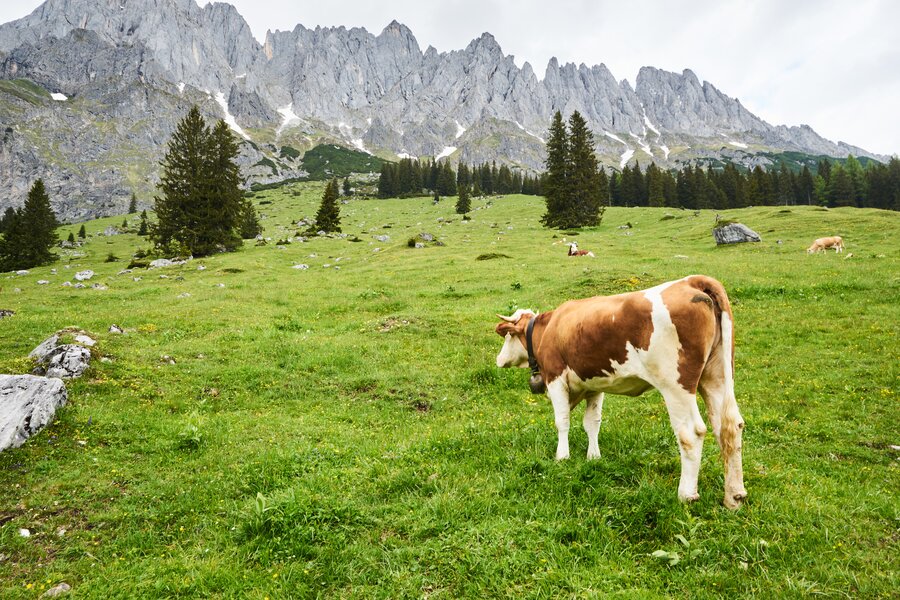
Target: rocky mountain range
{"points": [[90, 91]]}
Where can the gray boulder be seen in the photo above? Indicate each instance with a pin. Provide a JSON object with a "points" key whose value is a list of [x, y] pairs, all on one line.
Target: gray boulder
{"points": [[734, 233], [27, 405], [63, 361]]}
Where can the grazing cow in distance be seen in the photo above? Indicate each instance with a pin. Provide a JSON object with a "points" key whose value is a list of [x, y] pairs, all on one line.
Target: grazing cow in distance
{"points": [[677, 337], [574, 251], [823, 244]]}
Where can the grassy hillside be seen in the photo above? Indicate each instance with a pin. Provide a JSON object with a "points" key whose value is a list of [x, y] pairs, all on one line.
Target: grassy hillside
{"points": [[341, 431]]}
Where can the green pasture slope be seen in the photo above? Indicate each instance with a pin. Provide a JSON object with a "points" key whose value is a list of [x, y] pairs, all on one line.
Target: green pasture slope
{"points": [[342, 431]]}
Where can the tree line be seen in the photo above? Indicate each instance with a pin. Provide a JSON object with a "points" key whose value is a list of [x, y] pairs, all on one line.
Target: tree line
{"points": [[833, 184], [412, 177]]}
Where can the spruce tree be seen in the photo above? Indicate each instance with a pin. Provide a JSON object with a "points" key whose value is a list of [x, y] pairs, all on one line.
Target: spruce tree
{"points": [[6, 218], [82, 233], [32, 233], [124, 224], [144, 227], [201, 196], [347, 188], [463, 204], [132, 205], [71, 238], [249, 221], [224, 202], [840, 190], [560, 211], [583, 168], [328, 219]]}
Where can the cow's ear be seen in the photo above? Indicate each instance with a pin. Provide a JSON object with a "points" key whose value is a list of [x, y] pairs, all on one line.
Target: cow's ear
{"points": [[505, 328]]}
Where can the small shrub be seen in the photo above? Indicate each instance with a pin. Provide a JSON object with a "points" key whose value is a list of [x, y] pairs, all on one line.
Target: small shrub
{"points": [[111, 258], [139, 264], [491, 256]]}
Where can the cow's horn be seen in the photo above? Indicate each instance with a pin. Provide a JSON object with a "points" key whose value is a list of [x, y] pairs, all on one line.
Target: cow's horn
{"points": [[507, 319]]}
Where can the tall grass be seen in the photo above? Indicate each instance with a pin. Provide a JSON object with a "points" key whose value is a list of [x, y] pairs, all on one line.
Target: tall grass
{"points": [[341, 431]]}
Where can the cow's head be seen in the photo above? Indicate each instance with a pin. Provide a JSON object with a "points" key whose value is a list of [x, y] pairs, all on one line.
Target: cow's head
{"points": [[512, 329]]}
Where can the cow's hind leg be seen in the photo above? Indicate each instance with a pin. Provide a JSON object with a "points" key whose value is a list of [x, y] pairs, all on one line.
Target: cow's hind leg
{"points": [[592, 413], [689, 431], [727, 425]]}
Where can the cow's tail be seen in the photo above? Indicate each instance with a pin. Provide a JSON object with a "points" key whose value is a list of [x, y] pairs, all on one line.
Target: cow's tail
{"points": [[731, 421]]}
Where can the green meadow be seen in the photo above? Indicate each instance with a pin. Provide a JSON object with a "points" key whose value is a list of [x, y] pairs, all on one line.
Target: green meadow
{"points": [[341, 431]]}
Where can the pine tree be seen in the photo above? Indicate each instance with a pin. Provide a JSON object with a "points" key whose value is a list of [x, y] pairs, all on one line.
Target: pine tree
{"points": [[32, 233], [463, 204], [82, 233], [347, 189], [71, 238], [132, 205], [124, 224], [560, 210], [328, 219]]}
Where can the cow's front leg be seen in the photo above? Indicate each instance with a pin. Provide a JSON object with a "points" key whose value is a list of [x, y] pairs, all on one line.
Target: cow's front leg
{"points": [[592, 412], [558, 392]]}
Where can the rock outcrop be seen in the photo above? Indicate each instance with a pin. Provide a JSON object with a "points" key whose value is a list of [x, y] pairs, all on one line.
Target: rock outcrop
{"points": [[734, 233], [27, 405], [86, 83]]}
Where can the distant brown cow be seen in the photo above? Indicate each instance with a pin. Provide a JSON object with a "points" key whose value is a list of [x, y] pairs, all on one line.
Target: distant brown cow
{"points": [[823, 244], [677, 337]]}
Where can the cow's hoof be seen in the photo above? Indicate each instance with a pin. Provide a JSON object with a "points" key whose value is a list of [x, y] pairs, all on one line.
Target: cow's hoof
{"points": [[562, 457], [734, 500], [689, 497], [593, 455]]}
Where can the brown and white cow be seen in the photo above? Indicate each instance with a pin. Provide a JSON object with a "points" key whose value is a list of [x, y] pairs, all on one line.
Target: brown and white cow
{"points": [[823, 244], [574, 251], [677, 337]]}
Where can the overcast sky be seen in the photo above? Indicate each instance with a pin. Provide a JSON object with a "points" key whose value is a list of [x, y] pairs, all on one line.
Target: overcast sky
{"points": [[831, 64]]}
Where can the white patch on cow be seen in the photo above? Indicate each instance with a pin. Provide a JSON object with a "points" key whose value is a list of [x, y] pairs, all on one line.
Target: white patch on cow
{"points": [[59, 97]]}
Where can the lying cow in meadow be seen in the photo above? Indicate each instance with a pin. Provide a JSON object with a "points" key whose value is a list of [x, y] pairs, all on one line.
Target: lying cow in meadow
{"points": [[574, 251], [677, 337], [823, 244]]}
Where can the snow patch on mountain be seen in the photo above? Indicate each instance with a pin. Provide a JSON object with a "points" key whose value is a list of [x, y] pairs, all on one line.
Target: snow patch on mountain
{"points": [[613, 136], [626, 156], [288, 118], [534, 135], [229, 118], [59, 97], [665, 150], [447, 151], [459, 130]]}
